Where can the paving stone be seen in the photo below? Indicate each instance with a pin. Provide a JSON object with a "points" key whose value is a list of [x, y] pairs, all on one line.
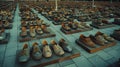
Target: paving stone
{"points": [[97, 61], [65, 63], [9, 61], [82, 62], [71, 65]]}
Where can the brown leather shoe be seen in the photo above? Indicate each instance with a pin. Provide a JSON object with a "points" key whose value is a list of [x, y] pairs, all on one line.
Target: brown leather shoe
{"points": [[44, 28], [87, 41]]}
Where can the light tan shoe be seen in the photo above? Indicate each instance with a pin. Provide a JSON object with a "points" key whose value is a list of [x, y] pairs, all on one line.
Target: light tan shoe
{"points": [[46, 49], [57, 49]]}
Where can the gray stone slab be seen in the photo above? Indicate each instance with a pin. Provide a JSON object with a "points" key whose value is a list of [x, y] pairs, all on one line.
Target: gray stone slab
{"points": [[97, 61], [82, 62]]}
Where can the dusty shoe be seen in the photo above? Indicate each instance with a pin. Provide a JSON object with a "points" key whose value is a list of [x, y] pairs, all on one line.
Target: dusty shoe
{"points": [[57, 49], [87, 41], [32, 31], [36, 52], [44, 28], [6, 24], [46, 49], [108, 38], [23, 32], [39, 30], [66, 27], [24, 54], [72, 25], [97, 39], [65, 46], [100, 37]]}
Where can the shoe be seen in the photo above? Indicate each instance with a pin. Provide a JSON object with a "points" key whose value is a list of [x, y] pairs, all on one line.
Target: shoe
{"points": [[23, 32], [38, 30], [108, 38], [100, 37], [98, 40], [87, 41], [32, 31], [2, 34], [6, 24], [24, 54], [66, 27], [46, 49], [44, 28], [65, 46], [36, 52], [57, 49], [72, 25]]}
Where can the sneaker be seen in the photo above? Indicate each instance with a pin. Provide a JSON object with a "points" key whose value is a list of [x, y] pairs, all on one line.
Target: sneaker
{"points": [[36, 52], [57, 49], [65, 46], [46, 49], [24, 54]]}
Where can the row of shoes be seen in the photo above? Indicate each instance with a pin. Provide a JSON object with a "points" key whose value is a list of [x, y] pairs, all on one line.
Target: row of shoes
{"points": [[99, 39], [74, 26], [36, 52], [100, 22], [38, 21], [34, 30]]}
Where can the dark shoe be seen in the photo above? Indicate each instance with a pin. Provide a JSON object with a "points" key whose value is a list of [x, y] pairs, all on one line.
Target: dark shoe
{"points": [[65, 46], [36, 52], [24, 54]]}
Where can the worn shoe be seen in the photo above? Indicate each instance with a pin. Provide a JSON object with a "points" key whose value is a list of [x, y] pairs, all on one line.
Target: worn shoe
{"points": [[57, 49], [66, 27], [44, 28], [46, 49], [65, 46], [87, 41], [100, 37], [24, 54], [23, 32], [39, 30], [108, 38], [32, 31], [36, 52], [97, 39]]}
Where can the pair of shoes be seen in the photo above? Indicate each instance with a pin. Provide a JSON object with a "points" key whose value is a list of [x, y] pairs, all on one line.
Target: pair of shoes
{"points": [[106, 37], [97, 22], [23, 32], [87, 41], [57, 49], [36, 53], [66, 27]]}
